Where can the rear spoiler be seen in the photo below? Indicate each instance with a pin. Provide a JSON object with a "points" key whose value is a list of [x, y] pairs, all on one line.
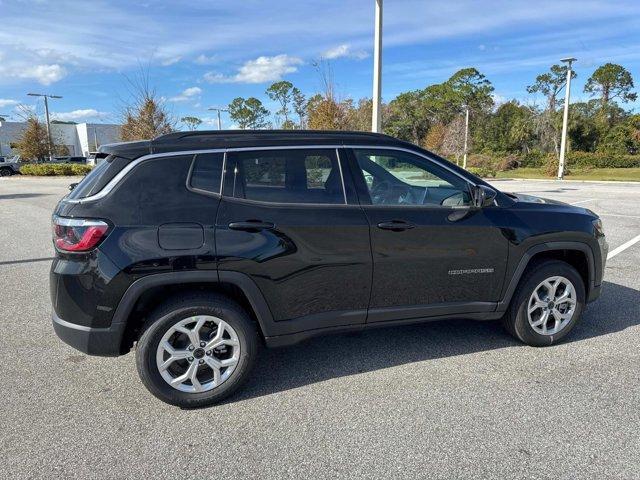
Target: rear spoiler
{"points": [[127, 150]]}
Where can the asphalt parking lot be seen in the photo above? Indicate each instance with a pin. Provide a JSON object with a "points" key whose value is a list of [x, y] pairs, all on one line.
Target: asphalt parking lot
{"points": [[441, 400]]}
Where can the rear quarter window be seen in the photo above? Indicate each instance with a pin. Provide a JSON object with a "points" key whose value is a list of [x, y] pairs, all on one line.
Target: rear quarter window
{"points": [[206, 172]]}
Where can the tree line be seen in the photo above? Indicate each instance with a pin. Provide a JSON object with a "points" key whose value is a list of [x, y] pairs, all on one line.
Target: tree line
{"points": [[432, 117]]}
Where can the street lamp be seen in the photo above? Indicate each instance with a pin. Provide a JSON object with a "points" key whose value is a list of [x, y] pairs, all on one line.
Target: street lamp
{"points": [[218, 110], [376, 122], [565, 118], [466, 136], [46, 109]]}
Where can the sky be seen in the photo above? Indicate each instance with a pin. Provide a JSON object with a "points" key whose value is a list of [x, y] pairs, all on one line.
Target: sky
{"points": [[203, 54]]}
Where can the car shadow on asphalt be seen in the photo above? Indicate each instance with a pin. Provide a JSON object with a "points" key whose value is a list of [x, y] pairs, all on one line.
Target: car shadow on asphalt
{"points": [[334, 356], [14, 196]]}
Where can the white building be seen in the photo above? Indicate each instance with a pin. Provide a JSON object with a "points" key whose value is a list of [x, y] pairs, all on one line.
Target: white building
{"points": [[80, 138]]}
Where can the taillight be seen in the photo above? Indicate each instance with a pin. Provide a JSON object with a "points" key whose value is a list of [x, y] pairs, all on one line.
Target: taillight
{"points": [[77, 234]]}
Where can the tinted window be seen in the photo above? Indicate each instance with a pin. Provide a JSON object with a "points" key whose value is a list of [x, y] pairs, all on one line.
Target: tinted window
{"points": [[285, 176], [401, 178], [206, 173], [85, 187]]}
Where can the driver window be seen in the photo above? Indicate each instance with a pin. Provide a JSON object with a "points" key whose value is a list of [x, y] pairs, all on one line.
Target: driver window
{"points": [[394, 177]]}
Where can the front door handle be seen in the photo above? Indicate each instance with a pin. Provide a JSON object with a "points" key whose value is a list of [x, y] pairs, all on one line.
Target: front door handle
{"points": [[396, 225], [251, 226]]}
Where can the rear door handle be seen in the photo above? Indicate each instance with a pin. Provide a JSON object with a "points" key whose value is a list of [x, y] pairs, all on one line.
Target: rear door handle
{"points": [[396, 225], [251, 226]]}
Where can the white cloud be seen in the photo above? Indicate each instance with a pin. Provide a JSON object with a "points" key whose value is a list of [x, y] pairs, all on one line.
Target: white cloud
{"points": [[203, 59], [260, 70], [344, 50], [44, 74], [7, 102], [213, 77], [187, 94], [79, 115], [170, 61], [498, 99]]}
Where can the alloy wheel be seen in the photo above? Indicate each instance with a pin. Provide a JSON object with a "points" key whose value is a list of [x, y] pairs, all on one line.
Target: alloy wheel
{"points": [[552, 305], [198, 354]]}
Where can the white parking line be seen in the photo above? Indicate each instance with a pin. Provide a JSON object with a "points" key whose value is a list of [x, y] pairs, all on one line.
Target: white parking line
{"points": [[623, 247], [616, 215], [582, 201]]}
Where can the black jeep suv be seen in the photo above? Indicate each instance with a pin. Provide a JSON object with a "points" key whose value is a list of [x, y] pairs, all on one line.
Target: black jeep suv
{"points": [[199, 247]]}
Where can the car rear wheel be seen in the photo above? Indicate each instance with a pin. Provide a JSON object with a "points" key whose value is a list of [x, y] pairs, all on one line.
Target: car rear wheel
{"points": [[5, 172], [547, 304], [196, 350]]}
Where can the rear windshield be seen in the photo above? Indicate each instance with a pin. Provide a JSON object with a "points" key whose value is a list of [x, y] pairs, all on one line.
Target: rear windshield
{"points": [[88, 182], [99, 177]]}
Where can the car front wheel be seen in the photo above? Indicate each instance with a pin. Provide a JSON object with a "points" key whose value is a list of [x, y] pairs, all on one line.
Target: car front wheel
{"points": [[547, 304], [196, 350]]}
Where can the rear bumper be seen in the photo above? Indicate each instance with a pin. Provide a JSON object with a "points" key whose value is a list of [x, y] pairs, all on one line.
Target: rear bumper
{"points": [[104, 342]]}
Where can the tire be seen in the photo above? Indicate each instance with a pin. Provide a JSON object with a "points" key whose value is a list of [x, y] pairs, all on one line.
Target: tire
{"points": [[520, 323], [171, 315], [5, 172]]}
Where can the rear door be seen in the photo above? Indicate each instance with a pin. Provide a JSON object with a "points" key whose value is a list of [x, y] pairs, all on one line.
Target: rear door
{"points": [[433, 253], [287, 221]]}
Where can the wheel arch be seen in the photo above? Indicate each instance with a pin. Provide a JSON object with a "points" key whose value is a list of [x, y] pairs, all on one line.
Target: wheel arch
{"points": [[148, 290], [577, 254]]}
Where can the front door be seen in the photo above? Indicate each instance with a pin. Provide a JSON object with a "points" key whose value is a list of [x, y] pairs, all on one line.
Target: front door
{"points": [[433, 252], [286, 221]]}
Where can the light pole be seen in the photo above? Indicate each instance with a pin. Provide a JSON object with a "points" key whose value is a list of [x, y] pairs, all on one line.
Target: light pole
{"points": [[219, 110], [46, 110], [2, 119], [466, 136], [565, 118], [376, 122]]}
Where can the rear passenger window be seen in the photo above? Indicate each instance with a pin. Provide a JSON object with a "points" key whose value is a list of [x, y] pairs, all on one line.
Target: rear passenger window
{"points": [[285, 176], [206, 172]]}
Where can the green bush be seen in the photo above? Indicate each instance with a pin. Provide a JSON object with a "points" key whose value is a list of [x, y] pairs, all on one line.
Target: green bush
{"points": [[549, 161], [533, 159], [483, 172], [54, 169], [603, 160]]}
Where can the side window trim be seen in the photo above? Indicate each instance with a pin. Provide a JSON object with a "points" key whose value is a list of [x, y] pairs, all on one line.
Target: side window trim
{"points": [[333, 148], [106, 189], [344, 189]]}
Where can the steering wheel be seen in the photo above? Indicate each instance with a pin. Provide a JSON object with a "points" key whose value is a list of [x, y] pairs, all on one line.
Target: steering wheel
{"points": [[380, 192]]}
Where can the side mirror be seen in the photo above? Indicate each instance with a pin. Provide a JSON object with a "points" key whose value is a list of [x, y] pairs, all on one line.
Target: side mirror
{"points": [[72, 186], [483, 196]]}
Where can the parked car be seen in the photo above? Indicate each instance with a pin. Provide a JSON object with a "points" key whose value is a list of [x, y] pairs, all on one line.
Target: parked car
{"points": [[200, 247], [9, 166]]}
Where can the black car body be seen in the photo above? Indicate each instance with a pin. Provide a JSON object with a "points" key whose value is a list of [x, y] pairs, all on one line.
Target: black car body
{"points": [[307, 232]]}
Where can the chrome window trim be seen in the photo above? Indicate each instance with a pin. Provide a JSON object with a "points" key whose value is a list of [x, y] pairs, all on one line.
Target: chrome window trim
{"points": [[344, 188], [152, 156]]}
